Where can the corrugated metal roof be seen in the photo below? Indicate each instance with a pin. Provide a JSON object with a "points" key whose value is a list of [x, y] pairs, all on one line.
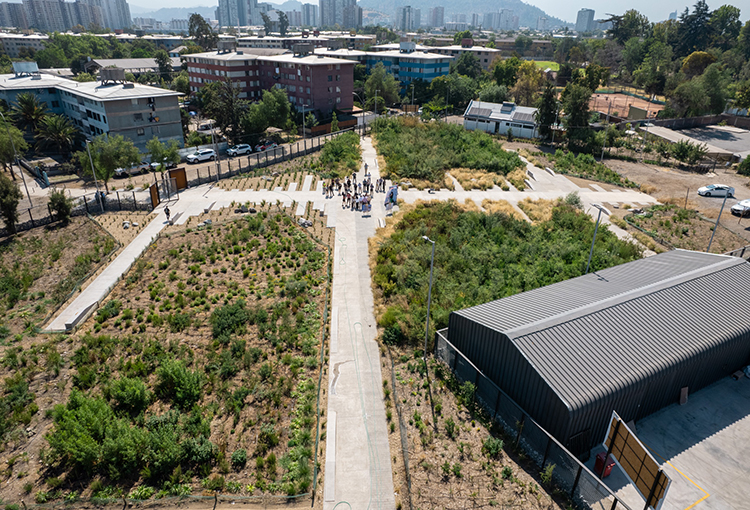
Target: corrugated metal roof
{"points": [[635, 319], [480, 112]]}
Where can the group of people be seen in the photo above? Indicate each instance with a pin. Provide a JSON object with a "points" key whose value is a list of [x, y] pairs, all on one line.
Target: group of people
{"points": [[356, 196]]}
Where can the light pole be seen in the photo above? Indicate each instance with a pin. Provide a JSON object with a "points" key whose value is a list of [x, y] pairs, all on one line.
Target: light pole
{"points": [[15, 158], [604, 210], [429, 299], [717, 221], [93, 172], [304, 137]]}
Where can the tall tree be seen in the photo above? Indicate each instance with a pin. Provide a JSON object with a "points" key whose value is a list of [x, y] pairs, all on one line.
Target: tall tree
{"points": [[283, 23], [505, 71], [266, 22], [164, 61], [715, 81], [10, 196], [456, 89], [530, 79], [575, 103], [201, 32], [468, 65], [629, 25], [162, 154], [57, 132], [108, 153], [724, 25], [221, 101], [386, 86], [546, 115], [458, 36], [651, 75], [7, 154], [694, 32], [28, 111]]}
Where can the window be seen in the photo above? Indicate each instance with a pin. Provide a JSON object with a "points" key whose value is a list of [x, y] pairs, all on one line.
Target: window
{"points": [[155, 130], [137, 116], [338, 100], [330, 77], [55, 104], [338, 77], [140, 132]]}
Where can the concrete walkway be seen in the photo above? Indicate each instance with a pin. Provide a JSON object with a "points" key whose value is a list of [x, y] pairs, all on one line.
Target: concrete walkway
{"points": [[358, 471]]}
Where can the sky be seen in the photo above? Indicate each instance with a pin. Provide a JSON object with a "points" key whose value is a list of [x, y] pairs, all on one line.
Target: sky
{"points": [[655, 10]]}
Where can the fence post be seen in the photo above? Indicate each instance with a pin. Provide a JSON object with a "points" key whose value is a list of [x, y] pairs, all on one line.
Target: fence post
{"points": [[283, 153], [49, 210], [31, 218], [575, 483], [546, 452], [520, 429], [135, 204], [86, 203], [119, 204], [209, 172], [198, 171], [497, 403], [257, 159]]}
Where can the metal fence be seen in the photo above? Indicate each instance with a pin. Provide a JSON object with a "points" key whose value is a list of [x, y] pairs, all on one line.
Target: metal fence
{"points": [[569, 474]]}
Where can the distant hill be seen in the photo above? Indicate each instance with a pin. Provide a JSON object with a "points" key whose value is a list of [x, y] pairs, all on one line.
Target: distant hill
{"points": [[527, 14]]}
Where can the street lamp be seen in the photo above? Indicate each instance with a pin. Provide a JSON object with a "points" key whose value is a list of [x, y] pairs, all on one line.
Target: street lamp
{"points": [[15, 158], [604, 210], [429, 299], [717, 221], [93, 172]]}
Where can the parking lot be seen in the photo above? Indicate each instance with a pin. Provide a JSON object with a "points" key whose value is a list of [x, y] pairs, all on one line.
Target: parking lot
{"points": [[702, 446], [732, 139]]}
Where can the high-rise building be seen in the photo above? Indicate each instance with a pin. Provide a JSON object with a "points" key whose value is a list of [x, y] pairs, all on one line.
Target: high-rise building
{"points": [[507, 20], [295, 18], [352, 16], [116, 13], [309, 15], [13, 15], [408, 18], [491, 21], [673, 15], [437, 17], [231, 13], [458, 18], [585, 21], [475, 20], [254, 10], [541, 23]]}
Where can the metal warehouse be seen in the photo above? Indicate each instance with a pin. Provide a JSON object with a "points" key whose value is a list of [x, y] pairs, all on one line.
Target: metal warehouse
{"points": [[629, 338]]}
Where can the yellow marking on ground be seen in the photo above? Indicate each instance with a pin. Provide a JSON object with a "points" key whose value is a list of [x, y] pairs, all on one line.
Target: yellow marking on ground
{"points": [[684, 476]]}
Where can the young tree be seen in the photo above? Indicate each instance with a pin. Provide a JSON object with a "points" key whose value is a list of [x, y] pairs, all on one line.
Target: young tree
{"points": [[458, 36], [10, 196], [60, 205], [221, 101], [575, 103], [108, 152], [468, 65], [164, 61], [266, 22], [547, 112], [385, 84], [162, 154], [493, 93], [530, 78], [181, 83], [28, 111], [57, 132], [334, 123], [7, 155], [201, 32]]}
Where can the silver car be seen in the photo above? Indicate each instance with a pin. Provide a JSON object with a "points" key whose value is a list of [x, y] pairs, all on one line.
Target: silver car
{"points": [[201, 155], [741, 208], [716, 190]]}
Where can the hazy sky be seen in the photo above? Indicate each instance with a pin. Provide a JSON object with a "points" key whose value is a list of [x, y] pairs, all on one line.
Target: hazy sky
{"points": [[655, 10]]}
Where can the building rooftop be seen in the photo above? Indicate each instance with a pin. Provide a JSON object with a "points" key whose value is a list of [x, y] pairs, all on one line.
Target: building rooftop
{"points": [[306, 59], [340, 53], [458, 47], [397, 46], [500, 111], [240, 54], [635, 319], [419, 55], [133, 63], [93, 89]]}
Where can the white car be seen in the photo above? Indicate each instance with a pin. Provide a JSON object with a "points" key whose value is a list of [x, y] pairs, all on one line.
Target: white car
{"points": [[242, 148], [167, 165], [133, 170], [201, 155], [716, 190], [741, 208]]}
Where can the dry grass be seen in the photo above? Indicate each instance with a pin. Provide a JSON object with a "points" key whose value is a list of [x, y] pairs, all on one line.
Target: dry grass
{"points": [[539, 210], [648, 189], [501, 206], [531, 159], [476, 179], [470, 205], [516, 178], [448, 182], [618, 222]]}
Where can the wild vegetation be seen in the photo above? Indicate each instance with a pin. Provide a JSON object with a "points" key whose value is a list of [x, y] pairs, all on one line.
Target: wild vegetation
{"points": [[340, 156], [586, 167], [425, 151], [200, 370], [478, 257]]}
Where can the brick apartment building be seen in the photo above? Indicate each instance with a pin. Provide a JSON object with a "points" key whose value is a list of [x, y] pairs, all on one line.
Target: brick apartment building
{"points": [[322, 84]]}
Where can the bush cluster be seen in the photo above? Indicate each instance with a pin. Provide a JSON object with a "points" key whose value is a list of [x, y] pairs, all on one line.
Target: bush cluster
{"points": [[340, 156], [586, 167]]}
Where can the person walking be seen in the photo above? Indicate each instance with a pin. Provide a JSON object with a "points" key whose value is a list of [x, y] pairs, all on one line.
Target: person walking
{"points": [[166, 211]]}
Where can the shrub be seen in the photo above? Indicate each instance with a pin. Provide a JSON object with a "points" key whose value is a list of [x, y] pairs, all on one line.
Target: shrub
{"points": [[60, 205], [450, 428], [141, 492], [340, 155], [110, 310], [230, 319], [130, 395], [493, 447], [239, 458], [744, 167], [215, 483], [178, 384]]}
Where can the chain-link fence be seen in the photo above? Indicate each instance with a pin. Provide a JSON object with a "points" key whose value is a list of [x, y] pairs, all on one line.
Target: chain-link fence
{"points": [[569, 473]]}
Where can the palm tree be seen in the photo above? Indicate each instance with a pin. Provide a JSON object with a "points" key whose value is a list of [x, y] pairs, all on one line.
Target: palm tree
{"points": [[28, 111], [57, 131]]}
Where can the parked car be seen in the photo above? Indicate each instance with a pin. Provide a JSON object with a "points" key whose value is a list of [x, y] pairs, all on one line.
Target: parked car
{"points": [[742, 208], [237, 150], [167, 165], [133, 170], [265, 146], [201, 155], [716, 190]]}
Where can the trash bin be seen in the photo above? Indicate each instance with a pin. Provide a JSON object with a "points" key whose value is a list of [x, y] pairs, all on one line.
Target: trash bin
{"points": [[599, 464]]}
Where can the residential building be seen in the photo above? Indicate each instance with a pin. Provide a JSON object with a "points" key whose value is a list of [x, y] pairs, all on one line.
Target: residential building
{"points": [[458, 18], [602, 24], [408, 18], [456, 26], [475, 20], [491, 21], [13, 43], [295, 18], [254, 10], [130, 65], [484, 55], [323, 84], [352, 16], [316, 38], [146, 23], [499, 118], [13, 15], [309, 15], [541, 23], [60, 16], [332, 12], [437, 17], [116, 13], [232, 13], [585, 21], [508, 21], [137, 112]]}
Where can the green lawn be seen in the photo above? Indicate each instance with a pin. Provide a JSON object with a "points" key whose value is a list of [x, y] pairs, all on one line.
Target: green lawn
{"points": [[544, 64]]}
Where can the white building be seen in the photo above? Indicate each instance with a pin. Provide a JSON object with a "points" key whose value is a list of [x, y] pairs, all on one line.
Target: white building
{"points": [[498, 118]]}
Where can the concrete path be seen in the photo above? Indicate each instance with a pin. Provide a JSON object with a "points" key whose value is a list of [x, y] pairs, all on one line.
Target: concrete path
{"points": [[358, 468]]}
